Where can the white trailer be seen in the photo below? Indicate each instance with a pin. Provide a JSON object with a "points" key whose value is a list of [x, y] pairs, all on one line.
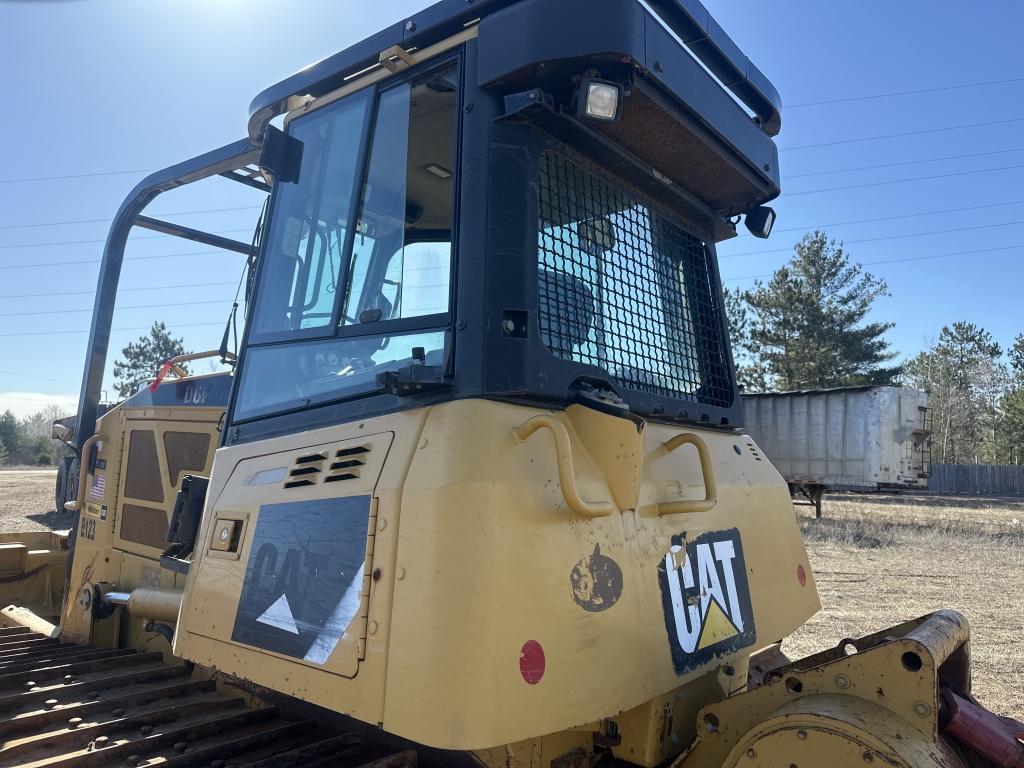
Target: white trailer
{"points": [[849, 438]]}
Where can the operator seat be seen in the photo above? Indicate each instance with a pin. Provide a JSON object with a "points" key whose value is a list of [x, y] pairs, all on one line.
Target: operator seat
{"points": [[566, 311]]}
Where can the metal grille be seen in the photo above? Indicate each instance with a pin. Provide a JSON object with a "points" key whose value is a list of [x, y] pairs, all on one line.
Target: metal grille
{"points": [[623, 288]]}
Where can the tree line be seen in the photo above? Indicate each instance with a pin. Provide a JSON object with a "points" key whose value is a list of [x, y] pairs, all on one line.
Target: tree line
{"points": [[807, 327], [27, 441]]}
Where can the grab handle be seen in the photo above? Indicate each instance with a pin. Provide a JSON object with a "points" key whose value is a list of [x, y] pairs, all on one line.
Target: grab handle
{"points": [[83, 472], [563, 455], [706, 468]]}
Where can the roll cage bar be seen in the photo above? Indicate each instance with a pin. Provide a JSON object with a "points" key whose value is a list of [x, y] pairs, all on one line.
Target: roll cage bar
{"points": [[238, 161]]}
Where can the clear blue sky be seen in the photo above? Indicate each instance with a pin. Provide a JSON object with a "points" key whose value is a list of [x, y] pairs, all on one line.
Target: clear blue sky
{"points": [[103, 85]]}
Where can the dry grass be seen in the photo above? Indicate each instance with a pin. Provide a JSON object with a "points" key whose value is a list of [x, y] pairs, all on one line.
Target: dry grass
{"points": [[881, 559], [878, 560]]}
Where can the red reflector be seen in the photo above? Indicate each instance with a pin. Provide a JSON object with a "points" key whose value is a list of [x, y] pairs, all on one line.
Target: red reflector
{"points": [[531, 662], [801, 575]]}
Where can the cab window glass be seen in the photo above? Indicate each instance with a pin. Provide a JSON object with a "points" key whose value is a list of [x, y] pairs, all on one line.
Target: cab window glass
{"points": [[398, 266], [406, 205], [303, 257]]}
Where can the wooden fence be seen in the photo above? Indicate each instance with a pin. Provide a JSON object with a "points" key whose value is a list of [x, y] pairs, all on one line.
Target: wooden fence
{"points": [[977, 479]]}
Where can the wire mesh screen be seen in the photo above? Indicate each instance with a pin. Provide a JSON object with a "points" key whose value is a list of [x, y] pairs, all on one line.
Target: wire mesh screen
{"points": [[623, 288]]}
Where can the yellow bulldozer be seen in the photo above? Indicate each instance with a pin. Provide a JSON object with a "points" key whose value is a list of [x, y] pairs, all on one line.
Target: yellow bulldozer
{"points": [[475, 490]]}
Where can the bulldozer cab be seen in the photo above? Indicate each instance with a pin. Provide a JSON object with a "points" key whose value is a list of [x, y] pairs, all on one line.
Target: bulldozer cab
{"points": [[476, 480], [475, 491], [476, 219]]}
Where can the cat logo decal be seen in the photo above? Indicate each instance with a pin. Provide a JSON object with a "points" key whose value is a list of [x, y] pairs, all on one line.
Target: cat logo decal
{"points": [[706, 598]]}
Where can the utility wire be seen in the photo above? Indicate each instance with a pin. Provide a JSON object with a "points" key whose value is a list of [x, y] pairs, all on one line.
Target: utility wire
{"points": [[119, 290], [902, 162], [898, 216], [905, 133], [903, 93], [879, 239], [903, 181], [103, 240], [39, 378], [89, 309], [899, 260], [94, 261], [219, 323], [68, 176], [109, 218]]}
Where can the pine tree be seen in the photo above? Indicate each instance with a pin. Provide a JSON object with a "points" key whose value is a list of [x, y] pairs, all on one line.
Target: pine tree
{"points": [[751, 372], [10, 438], [141, 360], [1009, 442], [808, 322], [965, 381]]}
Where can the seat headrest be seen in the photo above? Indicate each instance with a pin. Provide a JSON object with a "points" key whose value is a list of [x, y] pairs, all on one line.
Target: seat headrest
{"points": [[566, 311]]}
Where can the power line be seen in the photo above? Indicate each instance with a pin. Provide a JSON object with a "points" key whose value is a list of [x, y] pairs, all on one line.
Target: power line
{"points": [[879, 239], [904, 93], [40, 378], [219, 323], [902, 162], [89, 309], [899, 216], [103, 240], [109, 218], [902, 259], [68, 176], [905, 133], [904, 181], [119, 290], [94, 261]]}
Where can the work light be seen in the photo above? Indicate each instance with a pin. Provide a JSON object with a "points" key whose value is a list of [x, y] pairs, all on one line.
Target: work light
{"points": [[599, 100], [760, 220]]}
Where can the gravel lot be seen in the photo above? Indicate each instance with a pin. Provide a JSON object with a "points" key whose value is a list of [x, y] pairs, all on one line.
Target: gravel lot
{"points": [[27, 501]]}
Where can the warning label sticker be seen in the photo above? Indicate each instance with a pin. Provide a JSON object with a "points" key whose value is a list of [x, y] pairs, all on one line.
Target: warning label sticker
{"points": [[706, 598], [304, 578]]}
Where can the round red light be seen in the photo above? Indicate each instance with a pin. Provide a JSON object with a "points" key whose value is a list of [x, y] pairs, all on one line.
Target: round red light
{"points": [[531, 662]]}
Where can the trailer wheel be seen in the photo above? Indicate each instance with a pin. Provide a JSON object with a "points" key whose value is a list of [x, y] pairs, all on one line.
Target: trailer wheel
{"points": [[815, 493]]}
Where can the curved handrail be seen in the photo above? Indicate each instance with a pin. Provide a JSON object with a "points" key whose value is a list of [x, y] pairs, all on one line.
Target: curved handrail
{"points": [[174, 365], [707, 469], [83, 472], [563, 455]]}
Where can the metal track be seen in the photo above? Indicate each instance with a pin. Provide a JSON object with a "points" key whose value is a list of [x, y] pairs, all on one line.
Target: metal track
{"points": [[75, 705]]}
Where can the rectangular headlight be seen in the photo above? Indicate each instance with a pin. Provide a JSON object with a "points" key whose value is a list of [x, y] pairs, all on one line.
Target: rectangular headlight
{"points": [[600, 100]]}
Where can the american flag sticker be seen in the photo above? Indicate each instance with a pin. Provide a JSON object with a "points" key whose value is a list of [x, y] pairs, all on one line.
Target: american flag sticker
{"points": [[99, 485]]}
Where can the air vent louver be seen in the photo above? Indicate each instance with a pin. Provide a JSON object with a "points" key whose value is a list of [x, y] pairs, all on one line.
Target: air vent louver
{"points": [[347, 464], [308, 469]]}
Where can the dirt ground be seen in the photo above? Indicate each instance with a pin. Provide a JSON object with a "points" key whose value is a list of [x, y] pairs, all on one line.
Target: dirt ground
{"points": [[878, 560], [27, 501]]}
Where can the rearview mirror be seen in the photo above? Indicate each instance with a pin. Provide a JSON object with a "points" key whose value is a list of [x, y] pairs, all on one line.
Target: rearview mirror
{"points": [[596, 236]]}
